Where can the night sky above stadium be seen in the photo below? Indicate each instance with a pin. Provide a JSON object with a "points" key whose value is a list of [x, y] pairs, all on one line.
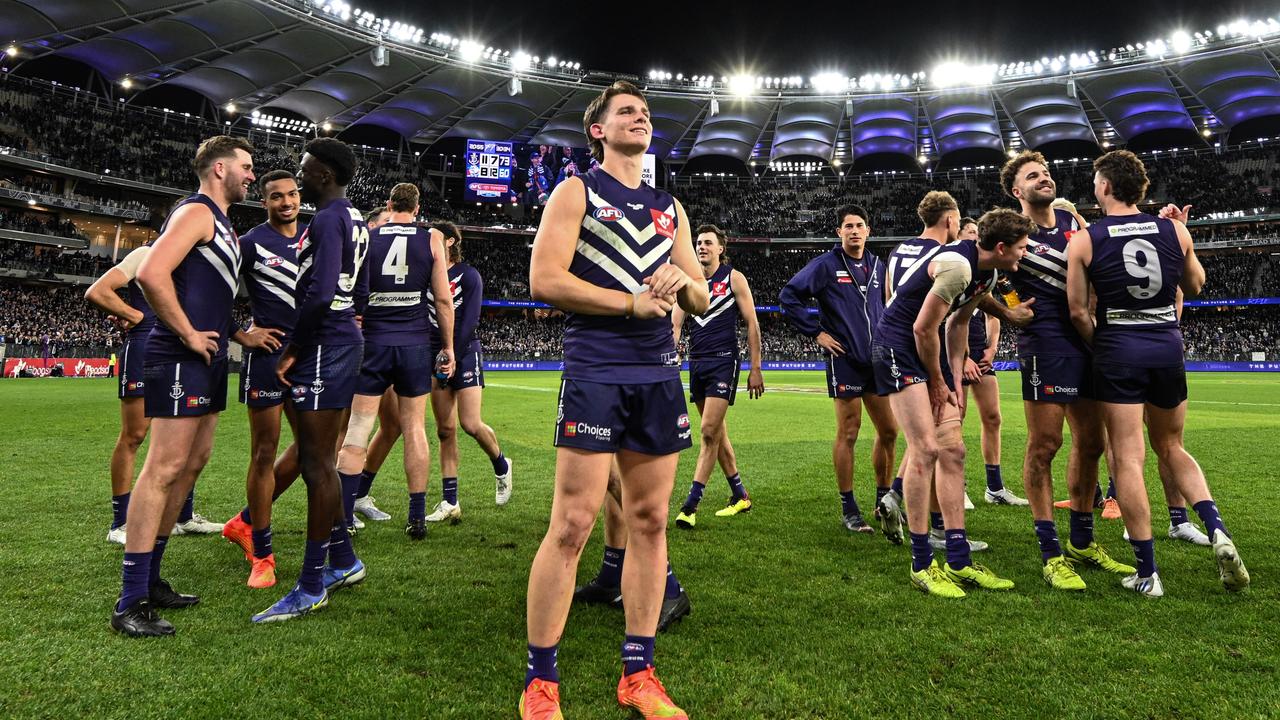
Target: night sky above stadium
{"points": [[800, 38]]}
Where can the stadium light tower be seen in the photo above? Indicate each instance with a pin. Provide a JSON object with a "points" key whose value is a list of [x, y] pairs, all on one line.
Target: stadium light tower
{"points": [[742, 85]]}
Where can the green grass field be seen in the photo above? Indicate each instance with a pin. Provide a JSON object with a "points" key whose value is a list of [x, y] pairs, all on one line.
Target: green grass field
{"points": [[792, 616]]}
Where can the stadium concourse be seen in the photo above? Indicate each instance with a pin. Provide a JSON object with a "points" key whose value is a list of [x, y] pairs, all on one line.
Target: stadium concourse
{"points": [[799, 608]]}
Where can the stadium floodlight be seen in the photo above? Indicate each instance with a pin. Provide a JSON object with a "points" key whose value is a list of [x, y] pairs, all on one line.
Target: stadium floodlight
{"points": [[520, 61], [829, 83], [551, 61], [923, 158], [950, 74], [1180, 41], [11, 51], [470, 50], [126, 83], [742, 85], [327, 126], [230, 108]]}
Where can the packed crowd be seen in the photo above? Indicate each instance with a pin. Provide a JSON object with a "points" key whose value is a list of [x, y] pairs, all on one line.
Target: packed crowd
{"points": [[44, 185], [1231, 333], [37, 223], [52, 320]]}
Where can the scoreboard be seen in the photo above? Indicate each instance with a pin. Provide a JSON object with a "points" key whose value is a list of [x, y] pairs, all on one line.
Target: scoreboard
{"points": [[489, 167]]}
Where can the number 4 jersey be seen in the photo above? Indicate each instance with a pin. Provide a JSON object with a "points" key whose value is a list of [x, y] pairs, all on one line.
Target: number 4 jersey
{"points": [[400, 263], [1137, 265]]}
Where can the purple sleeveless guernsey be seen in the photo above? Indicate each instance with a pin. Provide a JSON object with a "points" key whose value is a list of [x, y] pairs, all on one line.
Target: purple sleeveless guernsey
{"points": [[910, 283], [467, 288], [270, 272], [205, 282], [626, 235], [714, 334], [1137, 265], [400, 263], [1042, 274], [139, 302]]}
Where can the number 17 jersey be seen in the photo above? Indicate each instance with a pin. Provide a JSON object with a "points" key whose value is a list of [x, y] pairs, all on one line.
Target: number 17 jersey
{"points": [[400, 263]]}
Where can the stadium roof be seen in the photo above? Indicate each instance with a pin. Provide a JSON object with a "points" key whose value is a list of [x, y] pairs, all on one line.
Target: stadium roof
{"points": [[311, 60]]}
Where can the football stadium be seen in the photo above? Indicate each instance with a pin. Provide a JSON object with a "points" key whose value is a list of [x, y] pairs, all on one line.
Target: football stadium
{"points": [[375, 359]]}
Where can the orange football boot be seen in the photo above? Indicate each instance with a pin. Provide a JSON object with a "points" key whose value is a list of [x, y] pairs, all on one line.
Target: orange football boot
{"points": [[541, 701], [644, 692]]}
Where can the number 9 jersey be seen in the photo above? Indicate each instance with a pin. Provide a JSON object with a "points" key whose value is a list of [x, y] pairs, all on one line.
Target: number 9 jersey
{"points": [[1136, 267], [400, 263]]}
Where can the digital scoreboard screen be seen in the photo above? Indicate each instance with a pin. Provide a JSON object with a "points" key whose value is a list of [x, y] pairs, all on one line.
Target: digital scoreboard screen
{"points": [[489, 171]]}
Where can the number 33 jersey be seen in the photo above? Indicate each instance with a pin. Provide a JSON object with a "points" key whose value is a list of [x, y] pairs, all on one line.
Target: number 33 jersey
{"points": [[331, 274], [1136, 267], [400, 262]]}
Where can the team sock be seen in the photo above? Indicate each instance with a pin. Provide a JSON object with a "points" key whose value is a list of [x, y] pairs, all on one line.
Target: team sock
{"points": [[119, 510], [1145, 552], [695, 497], [958, 549], [995, 482], [1081, 529], [1047, 535], [417, 506], [188, 507], [350, 484], [735, 484], [1097, 495], [848, 505], [245, 516], [341, 553], [935, 520], [637, 654], [881, 492], [366, 483], [136, 579], [542, 664], [921, 553], [1209, 515], [449, 490], [1177, 515], [1111, 487], [611, 568], [673, 588], [500, 464], [157, 554], [262, 542], [897, 486], [312, 578]]}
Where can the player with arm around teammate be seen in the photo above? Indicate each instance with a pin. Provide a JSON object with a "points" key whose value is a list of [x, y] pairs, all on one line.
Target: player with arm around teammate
{"points": [[1135, 263], [714, 368], [616, 255], [914, 367]]}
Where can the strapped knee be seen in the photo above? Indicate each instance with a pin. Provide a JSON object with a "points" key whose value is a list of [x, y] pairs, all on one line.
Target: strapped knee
{"points": [[359, 428]]}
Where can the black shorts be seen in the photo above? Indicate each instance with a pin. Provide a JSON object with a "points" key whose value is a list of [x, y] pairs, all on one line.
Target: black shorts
{"points": [[1127, 385], [130, 369], [1056, 378], [185, 389], [897, 369], [713, 378], [847, 378], [468, 371], [259, 386], [407, 368], [324, 377], [649, 418]]}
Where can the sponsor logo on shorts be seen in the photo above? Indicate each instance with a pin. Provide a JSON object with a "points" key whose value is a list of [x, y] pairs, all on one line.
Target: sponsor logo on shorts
{"points": [[913, 379], [682, 422], [722, 386], [1060, 390], [195, 401], [573, 428], [176, 392], [468, 375], [132, 385], [256, 394], [608, 213], [299, 392]]}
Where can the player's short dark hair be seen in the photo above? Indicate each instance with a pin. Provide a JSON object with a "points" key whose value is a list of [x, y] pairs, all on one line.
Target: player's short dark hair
{"points": [[273, 176], [721, 237], [599, 105], [1002, 225], [449, 230], [934, 205], [966, 220], [856, 210], [374, 214], [1009, 173], [404, 197], [336, 155], [216, 148], [1126, 173]]}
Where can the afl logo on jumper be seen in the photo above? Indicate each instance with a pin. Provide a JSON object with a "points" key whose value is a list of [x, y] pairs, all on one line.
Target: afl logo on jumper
{"points": [[663, 223], [608, 213]]}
